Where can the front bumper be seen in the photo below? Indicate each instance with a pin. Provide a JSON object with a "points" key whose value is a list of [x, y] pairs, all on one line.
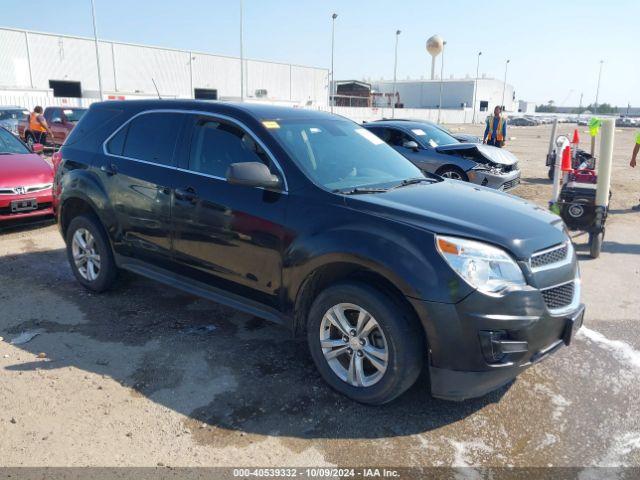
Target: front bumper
{"points": [[466, 361], [503, 181], [45, 205]]}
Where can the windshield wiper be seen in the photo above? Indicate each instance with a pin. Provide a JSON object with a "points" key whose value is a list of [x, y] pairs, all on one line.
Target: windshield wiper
{"points": [[413, 181], [358, 190]]}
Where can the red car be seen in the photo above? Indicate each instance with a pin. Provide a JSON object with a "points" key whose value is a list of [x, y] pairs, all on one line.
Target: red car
{"points": [[61, 120], [25, 180]]}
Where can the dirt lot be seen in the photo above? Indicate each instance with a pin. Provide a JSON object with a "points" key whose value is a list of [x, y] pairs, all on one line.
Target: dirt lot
{"points": [[146, 375]]}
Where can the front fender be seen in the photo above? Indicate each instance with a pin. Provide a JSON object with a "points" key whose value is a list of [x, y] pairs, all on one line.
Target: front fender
{"points": [[403, 255]]}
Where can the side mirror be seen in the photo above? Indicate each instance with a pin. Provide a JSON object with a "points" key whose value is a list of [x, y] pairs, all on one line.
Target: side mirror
{"points": [[37, 148], [412, 145], [252, 174]]}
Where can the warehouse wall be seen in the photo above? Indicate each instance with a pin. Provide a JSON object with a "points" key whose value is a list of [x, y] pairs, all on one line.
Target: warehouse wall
{"points": [[28, 60], [426, 93]]}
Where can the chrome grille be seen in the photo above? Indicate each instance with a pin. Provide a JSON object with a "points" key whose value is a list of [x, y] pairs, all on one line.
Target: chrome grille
{"points": [[24, 190], [510, 184], [560, 296], [549, 257]]}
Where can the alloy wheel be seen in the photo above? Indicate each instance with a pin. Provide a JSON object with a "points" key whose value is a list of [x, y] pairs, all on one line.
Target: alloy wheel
{"points": [[354, 345], [452, 174], [85, 254]]}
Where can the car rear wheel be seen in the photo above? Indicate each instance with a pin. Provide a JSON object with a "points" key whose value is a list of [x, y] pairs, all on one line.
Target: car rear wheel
{"points": [[454, 173], [90, 254], [365, 345]]}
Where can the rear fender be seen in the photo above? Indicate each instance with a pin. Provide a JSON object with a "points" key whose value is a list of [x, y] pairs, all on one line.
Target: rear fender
{"points": [[84, 185]]}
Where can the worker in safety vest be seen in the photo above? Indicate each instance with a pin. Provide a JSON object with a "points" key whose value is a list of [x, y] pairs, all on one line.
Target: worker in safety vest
{"points": [[496, 130], [633, 162], [38, 125]]}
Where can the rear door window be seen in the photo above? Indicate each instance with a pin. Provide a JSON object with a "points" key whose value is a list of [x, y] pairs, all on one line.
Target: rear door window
{"points": [[152, 137], [216, 144]]}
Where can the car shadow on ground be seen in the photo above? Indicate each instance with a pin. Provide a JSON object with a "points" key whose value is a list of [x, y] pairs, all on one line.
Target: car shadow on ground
{"points": [[23, 225], [225, 370]]}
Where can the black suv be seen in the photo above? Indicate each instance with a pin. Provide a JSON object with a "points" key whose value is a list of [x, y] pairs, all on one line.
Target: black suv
{"points": [[312, 221]]}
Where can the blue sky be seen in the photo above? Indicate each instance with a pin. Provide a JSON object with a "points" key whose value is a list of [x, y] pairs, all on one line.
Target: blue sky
{"points": [[554, 46]]}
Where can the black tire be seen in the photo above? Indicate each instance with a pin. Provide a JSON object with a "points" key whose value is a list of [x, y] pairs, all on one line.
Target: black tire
{"points": [[453, 172], [595, 244], [29, 139], [405, 343], [107, 271]]}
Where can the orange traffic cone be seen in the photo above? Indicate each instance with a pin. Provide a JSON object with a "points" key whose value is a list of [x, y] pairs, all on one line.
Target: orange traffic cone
{"points": [[565, 166], [576, 137]]}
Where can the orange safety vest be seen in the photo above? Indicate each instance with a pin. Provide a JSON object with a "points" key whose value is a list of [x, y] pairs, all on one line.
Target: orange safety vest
{"points": [[499, 135], [34, 124]]}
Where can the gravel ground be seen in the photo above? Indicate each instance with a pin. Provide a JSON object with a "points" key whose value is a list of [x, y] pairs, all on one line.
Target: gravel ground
{"points": [[145, 375]]}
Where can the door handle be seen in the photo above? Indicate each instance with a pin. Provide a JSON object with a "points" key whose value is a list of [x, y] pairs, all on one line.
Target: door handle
{"points": [[188, 194], [109, 169]]}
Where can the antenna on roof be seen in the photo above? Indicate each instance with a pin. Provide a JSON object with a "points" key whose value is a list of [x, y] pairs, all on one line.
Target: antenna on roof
{"points": [[157, 91]]}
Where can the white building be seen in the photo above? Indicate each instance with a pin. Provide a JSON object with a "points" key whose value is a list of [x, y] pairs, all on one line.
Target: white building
{"points": [[456, 93], [36, 67]]}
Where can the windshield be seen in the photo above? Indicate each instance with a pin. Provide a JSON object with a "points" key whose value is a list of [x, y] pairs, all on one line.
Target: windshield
{"points": [[339, 154], [431, 136], [74, 114], [13, 114], [10, 144]]}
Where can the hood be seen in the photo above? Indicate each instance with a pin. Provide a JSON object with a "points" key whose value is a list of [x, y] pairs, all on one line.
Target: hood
{"points": [[455, 208], [494, 154], [24, 169]]}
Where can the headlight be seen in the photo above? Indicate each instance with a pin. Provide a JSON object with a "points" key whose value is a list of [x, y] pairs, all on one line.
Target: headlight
{"points": [[484, 267]]}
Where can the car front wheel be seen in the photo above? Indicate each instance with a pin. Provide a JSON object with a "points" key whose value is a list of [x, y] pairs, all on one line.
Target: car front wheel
{"points": [[365, 345], [90, 254], [454, 173]]}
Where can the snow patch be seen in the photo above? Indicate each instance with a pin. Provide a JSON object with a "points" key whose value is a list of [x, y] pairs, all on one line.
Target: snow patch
{"points": [[624, 352], [558, 401]]}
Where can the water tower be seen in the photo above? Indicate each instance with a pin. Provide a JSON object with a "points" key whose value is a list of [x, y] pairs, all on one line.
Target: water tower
{"points": [[435, 45]]}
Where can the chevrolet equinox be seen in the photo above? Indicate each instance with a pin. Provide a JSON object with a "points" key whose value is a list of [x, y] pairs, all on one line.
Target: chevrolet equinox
{"points": [[309, 220]]}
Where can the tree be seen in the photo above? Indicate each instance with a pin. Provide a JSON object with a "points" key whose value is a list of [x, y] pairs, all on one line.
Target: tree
{"points": [[550, 107]]}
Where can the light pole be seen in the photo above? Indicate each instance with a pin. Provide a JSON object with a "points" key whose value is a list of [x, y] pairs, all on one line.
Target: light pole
{"points": [[444, 44], [333, 38], [504, 85], [598, 87], [95, 39], [395, 71], [475, 88], [241, 55]]}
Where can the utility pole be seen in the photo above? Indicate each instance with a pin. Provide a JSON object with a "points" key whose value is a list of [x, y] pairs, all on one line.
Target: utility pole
{"points": [[580, 106], [444, 44], [95, 39], [333, 38], [504, 85], [241, 54], [475, 88], [598, 87], [395, 71]]}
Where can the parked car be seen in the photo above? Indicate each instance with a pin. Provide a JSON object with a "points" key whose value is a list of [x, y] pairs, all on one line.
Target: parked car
{"points": [[625, 122], [10, 117], [309, 220], [61, 120], [25, 180], [433, 150], [522, 122]]}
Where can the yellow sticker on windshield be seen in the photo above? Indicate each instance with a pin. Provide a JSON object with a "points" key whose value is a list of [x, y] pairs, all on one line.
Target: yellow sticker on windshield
{"points": [[271, 124]]}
